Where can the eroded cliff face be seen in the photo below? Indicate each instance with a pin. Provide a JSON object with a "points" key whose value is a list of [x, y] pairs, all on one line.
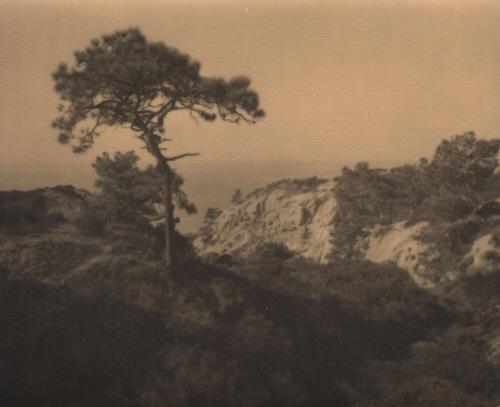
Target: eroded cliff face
{"points": [[484, 255], [296, 213], [401, 244], [300, 215]]}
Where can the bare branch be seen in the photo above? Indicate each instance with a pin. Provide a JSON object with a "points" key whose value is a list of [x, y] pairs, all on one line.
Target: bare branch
{"points": [[178, 157], [161, 113]]}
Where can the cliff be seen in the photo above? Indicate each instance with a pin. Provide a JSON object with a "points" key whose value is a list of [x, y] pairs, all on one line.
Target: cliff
{"points": [[300, 214], [296, 213]]}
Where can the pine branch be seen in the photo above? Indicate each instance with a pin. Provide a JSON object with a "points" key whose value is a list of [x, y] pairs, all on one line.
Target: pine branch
{"points": [[178, 157]]}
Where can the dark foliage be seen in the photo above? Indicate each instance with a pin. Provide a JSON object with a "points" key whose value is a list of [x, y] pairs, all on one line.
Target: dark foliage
{"points": [[305, 335], [237, 197], [443, 190], [124, 79], [270, 330], [273, 250], [92, 222], [23, 212], [59, 348], [18, 207], [128, 192], [206, 232]]}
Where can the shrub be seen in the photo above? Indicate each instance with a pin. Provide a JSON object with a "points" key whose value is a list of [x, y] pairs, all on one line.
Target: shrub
{"points": [[127, 191], [19, 207], [206, 231], [24, 212], [66, 349], [273, 250], [237, 197], [91, 222]]}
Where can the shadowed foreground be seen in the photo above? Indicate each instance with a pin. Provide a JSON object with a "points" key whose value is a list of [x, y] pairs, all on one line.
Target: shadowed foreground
{"points": [[89, 322]]}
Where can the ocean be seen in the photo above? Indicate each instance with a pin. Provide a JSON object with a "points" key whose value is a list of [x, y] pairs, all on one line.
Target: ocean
{"points": [[208, 185]]}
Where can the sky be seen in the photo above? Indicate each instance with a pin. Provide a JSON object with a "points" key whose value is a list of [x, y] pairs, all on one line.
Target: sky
{"points": [[341, 82]]}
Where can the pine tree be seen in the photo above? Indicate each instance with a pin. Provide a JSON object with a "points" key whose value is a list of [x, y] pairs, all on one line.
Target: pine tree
{"points": [[123, 80]]}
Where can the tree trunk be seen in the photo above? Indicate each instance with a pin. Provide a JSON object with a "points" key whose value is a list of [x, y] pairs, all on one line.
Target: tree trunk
{"points": [[169, 207], [169, 223]]}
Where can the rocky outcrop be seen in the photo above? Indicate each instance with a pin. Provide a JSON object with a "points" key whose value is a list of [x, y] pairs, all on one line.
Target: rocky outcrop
{"points": [[296, 213], [300, 213], [485, 253], [400, 244]]}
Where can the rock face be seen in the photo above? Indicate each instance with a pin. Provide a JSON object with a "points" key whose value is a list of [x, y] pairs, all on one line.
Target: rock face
{"points": [[296, 213], [399, 244], [300, 213], [485, 253]]}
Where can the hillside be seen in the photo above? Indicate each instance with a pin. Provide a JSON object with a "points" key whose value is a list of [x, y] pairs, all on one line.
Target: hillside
{"points": [[300, 214], [20, 209], [437, 221], [377, 289], [91, 321]]}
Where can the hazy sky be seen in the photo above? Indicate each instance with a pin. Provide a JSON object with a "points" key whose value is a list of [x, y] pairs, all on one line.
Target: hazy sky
{"points": [[341, 81]]}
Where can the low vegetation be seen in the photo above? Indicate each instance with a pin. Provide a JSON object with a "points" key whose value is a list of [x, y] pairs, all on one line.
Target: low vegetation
{"points": [[89, 319], [268, 331], [25, 212]]}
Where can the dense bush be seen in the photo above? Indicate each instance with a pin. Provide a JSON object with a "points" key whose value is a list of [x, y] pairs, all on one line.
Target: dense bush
{"points": [[118, 333], [127, 191], [17, 207], [25, 212], [91, 222], [273, 250], [448, 371], [58, 348]]}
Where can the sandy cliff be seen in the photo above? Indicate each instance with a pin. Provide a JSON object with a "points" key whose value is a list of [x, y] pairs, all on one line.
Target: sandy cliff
{"points": [[300, 215], [296, 213]]}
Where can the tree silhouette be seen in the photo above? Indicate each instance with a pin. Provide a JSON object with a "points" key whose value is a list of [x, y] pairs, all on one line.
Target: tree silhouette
{"points": [[123, 80], [237, 197], [128, 192]]}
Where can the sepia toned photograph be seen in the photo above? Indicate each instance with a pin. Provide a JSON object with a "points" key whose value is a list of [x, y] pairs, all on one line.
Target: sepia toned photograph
{"points": [[225, 203]]}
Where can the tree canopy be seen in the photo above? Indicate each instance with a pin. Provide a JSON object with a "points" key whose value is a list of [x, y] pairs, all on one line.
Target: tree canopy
{"points": [[129, 191], [124, 80]]}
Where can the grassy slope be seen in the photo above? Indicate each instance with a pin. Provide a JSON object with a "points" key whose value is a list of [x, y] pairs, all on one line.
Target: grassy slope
{"points": [[91, 321]]}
